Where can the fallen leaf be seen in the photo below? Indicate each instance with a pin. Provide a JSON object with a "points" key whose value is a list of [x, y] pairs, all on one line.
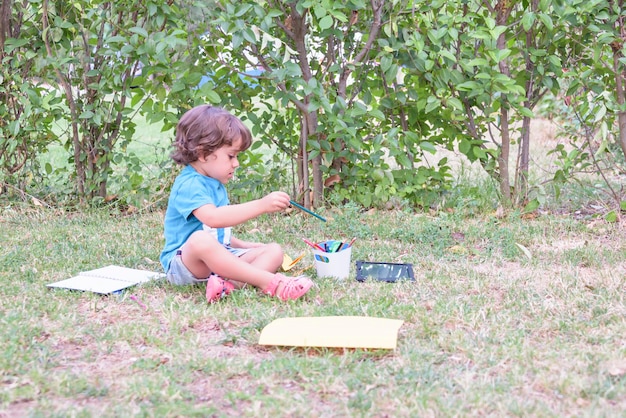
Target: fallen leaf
{"points": [[525, 250], [530, 215], [332, 180], [457, 249]]}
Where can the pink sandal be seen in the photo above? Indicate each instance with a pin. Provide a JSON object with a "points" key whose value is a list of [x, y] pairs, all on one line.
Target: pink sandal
{"points": [[293, 287], [217, 288]]}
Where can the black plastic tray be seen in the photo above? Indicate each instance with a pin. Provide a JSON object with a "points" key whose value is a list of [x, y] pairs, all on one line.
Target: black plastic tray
{"points": [[384, 272]]}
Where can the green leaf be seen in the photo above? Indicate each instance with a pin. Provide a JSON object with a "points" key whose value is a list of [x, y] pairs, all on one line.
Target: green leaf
{"points": [[528, 20], [13, 43], [139, 31], [478, 62], [547, 21], [391, 74], [213, 97], [116, 39], [526, 112], [377, 114], [237, 40], [468, 86], [428, 146], [497, 31], [319, 11], [455, 103], [490, 22], [600, 113], [555, 61], [404, 161], [531, 206], [447, 54], [87, 114], [464, 146], [326, 22], [611, 217], [385, 63], [432, 104], [250, 36], [479, 153]]}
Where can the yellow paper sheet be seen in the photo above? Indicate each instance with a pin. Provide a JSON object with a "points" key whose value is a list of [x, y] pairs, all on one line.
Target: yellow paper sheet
{"points": [[288, 263], [332, 331]]}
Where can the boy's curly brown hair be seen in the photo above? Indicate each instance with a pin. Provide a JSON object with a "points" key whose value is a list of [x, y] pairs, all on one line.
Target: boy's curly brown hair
{"points": [[204, 129]]}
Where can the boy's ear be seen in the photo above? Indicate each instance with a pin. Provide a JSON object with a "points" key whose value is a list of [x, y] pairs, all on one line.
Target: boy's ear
{"points": [[203, 158]]}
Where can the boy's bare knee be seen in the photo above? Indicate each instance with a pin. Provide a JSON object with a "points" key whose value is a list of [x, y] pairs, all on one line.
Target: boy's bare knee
{"points": [[275, 249], [274, 255], [201, 242]]}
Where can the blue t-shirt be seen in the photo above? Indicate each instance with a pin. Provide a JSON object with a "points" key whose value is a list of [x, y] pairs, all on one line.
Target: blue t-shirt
{"points": [[190, 191]]}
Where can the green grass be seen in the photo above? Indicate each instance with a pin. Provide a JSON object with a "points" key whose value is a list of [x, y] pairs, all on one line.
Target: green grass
{"points": [[488, 331]]}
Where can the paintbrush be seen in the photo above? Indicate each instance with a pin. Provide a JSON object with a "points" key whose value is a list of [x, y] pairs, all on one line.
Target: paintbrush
{"points": [[307, 211]]}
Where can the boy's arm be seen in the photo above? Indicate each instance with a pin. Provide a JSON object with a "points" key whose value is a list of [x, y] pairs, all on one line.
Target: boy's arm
{"points": [[232, 215]]}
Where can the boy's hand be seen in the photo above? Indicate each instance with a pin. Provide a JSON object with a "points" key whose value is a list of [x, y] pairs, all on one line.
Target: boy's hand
{"points": [[275, 201]]}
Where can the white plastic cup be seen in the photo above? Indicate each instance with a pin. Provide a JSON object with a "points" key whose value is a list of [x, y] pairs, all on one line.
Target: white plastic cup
{"points": [[335, 264]]}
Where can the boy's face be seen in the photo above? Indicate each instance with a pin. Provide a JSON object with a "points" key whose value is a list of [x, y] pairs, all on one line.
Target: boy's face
{"points": [[220, 164]]}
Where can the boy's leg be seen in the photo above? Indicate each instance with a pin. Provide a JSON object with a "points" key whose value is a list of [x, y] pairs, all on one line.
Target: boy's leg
{"points": [[202, 254], [268, 257]]}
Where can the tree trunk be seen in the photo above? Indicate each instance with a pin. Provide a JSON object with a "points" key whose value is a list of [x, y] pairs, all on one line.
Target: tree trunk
{"points": [[620, 76], [308, 120], [504, 8], [303, 169], [523, 166], [318, 181], [521, 192], [62, 80], [5, 21], [503, 158]]}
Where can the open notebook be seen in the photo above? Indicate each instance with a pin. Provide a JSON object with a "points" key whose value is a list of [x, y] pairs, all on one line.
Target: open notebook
{"points": [[107, 280]]}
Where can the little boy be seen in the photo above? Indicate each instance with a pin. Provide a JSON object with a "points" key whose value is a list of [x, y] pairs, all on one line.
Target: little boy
{"points": [[198, 221]]}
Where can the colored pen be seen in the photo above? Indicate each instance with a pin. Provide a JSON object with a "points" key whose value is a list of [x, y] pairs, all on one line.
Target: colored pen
{"points": [[347, 245], [307, 211], [313, 245]]}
